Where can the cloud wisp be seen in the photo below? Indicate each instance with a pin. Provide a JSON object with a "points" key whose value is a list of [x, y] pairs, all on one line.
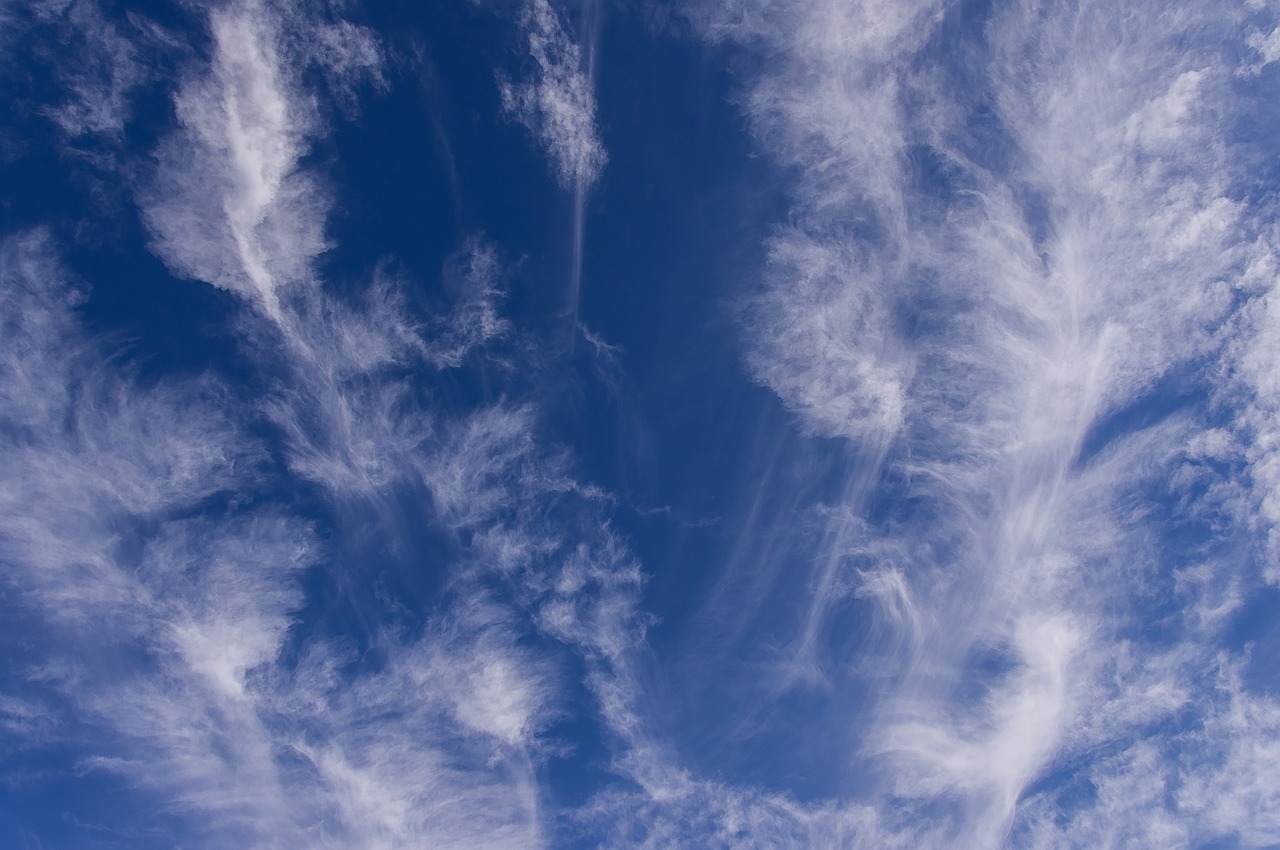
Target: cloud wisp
{"points": [[557, 104], [1020, 316], [232, 170], [144, 527], [1006, 236]]}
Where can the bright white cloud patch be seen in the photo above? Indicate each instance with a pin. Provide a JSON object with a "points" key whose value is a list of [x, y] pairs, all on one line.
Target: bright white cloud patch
{"points": [[231, 173]]}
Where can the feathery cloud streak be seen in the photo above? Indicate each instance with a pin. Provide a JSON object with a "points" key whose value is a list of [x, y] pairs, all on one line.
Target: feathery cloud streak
{"points": [[232, 172], [255, 727], [1008, 233], [558, 106]]}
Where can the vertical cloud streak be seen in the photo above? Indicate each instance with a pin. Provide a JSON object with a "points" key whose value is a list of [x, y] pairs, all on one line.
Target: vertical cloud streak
{"points": [[558, 106]]}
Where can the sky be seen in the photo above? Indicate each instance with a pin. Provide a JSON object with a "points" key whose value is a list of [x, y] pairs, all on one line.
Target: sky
{"points": [[639, 424]]}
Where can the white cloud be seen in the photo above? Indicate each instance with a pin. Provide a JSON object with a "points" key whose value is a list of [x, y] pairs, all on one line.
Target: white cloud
{"points": [[168, 613], [228, 203], [133, 529], [1236, 790], [474, 278], [100, 73], [233, 206], [83, 445], [971, 330], [435, 747], [96, 482], [993, 247], [139, 533], [558, 103], [826, 340], [1253, 357]]}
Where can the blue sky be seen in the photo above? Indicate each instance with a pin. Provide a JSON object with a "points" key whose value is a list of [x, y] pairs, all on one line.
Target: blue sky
{"points": [[567, 423]]}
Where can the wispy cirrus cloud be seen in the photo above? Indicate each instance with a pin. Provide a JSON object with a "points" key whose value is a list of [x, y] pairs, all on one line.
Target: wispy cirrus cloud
{"points": [[474, 278], [231, 172], [102, 76], [139, 535], [102, 483], [1021, 312], [1006, 236], [557, 103], [250, 723]]}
